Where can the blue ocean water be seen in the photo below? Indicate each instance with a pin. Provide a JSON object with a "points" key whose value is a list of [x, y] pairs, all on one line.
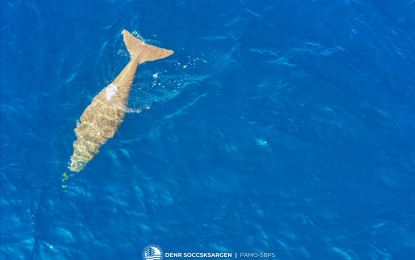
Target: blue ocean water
{"points": [[282, 127]]}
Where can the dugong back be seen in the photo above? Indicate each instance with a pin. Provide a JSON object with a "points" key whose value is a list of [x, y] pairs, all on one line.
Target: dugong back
{"points": [[99, 123]]}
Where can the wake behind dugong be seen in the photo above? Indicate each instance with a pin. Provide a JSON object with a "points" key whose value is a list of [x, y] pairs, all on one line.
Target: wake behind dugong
{"points": [[104, 116]]}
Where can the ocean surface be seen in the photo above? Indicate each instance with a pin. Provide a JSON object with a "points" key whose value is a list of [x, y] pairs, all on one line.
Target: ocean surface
{"points": [[284, 127]]}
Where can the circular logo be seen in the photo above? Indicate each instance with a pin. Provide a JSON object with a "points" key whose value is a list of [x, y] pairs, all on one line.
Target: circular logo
{"points": [[152, 252]]}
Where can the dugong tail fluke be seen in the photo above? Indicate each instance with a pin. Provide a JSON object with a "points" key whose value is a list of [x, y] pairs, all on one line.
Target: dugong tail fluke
{"points": [[104, 116]]}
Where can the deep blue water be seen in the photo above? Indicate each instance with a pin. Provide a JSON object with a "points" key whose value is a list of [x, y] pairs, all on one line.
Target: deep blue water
{"points": [[279, 126]]}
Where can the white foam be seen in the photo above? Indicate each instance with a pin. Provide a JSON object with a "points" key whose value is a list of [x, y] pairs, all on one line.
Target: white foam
{"points": [[110, 91]]}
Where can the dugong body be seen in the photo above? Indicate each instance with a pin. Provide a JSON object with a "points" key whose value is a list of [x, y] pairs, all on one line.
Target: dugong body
{"points": [[104, 116]]}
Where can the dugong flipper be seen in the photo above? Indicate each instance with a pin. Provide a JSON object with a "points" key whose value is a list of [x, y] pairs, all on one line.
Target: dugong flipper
{"points": [[103, 117]]}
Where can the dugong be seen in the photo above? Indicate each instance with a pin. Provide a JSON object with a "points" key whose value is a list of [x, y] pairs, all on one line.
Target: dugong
{"points": [[104, 116]]}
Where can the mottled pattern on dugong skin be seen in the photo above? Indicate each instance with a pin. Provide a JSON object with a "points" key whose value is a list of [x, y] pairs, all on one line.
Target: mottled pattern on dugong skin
{"points": [[104, 116]]}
